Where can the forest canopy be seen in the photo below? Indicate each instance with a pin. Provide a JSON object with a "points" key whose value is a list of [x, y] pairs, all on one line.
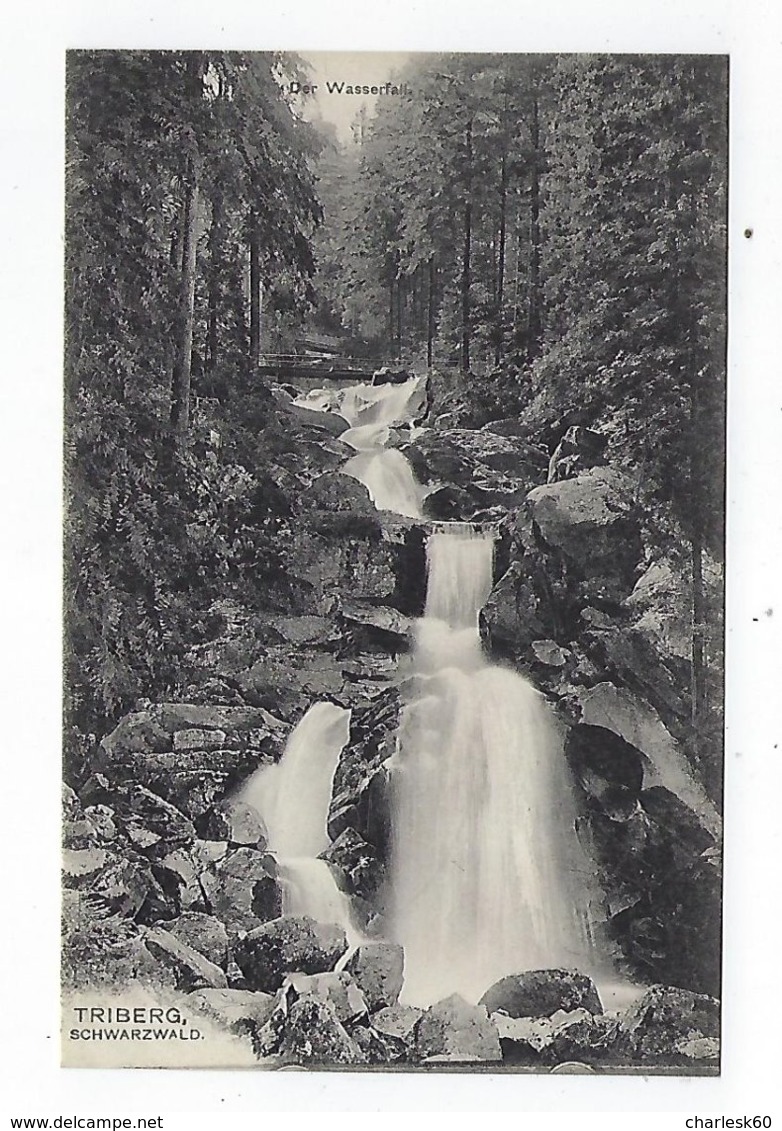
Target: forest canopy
{"points": [[545, 234]]}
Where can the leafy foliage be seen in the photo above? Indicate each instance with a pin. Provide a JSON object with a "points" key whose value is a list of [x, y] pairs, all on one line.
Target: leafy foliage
{"points": [[154, 526]]}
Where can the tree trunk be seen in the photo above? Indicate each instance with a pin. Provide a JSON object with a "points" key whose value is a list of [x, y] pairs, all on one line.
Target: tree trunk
{"points": [[466, 257], [698, 643], [213, 298], [430, 326], [180, 393], [255, 288], [533, 344], [499, 346], [399, 301]]}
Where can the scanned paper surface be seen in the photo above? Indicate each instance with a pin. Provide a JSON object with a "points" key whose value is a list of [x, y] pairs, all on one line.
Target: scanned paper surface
{"points": [[394, 560]]}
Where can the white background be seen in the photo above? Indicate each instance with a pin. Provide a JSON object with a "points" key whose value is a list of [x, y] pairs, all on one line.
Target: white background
{"points": [[31, 183]]}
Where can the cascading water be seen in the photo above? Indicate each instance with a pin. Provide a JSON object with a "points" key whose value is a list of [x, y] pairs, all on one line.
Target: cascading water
{"points": [[293, 799], [371, 411], [487, 875]]}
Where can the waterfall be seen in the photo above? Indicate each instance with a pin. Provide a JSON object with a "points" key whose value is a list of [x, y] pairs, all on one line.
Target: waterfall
{"points": [[372, 410], [487, 874], [293, 798]]}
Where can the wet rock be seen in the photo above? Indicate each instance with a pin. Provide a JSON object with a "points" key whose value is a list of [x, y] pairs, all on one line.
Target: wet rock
{"points": [[513, 617], [191, 969], [453, 1029], [204, 933], [449, 504], [288, 945], [540, 993], [329, 422], [671, 1025], [360, 796], [376, 626], [236, 822], [242, 890], [378, 970], [238, 1010], [336, 491], [357, 862], [314, 1035]]}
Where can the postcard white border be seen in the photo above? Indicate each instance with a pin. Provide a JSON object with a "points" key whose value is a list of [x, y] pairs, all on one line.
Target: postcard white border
{"points": [[31, 156]]}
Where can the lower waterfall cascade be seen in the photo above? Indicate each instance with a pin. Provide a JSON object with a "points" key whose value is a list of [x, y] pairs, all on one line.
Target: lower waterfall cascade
{"points": [[487, 876]]}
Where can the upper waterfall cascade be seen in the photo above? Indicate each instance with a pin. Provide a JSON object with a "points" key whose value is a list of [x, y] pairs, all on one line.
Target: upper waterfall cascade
{"points": [[371, 411]]}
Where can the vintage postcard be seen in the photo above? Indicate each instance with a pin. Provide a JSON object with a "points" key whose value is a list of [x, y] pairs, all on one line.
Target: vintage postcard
{"points": [[394, 561]]}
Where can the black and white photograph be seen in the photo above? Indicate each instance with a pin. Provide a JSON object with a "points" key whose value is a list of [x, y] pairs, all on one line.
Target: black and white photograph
{"points": [[394, 560], [394, 548]]}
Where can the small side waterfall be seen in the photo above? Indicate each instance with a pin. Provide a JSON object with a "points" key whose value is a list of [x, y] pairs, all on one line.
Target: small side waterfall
{"points": [[487, 874], [293, 799]]}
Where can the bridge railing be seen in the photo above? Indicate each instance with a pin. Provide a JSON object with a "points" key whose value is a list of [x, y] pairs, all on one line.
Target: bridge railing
{"points": [[317, 361]]}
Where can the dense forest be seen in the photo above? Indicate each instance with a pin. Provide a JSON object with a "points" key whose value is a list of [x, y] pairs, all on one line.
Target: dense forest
{"points": [[549, 234], [542, 241]]}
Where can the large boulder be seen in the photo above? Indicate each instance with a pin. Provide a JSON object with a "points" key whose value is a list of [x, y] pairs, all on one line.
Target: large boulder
{"points": [[514, 615], [145, 820], [540, 993], [593, 522], [672, 1026], [237, 1010], [454, 1030], [563, 1037], [360, 796], [607, 767], [204, 933], [378, 971], [236, 822], [313, 1034], [639, 725], [207, 753], [288, 945], [370, 626], [338, 988], [191, 968], [357, 863], [242, 889]]}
